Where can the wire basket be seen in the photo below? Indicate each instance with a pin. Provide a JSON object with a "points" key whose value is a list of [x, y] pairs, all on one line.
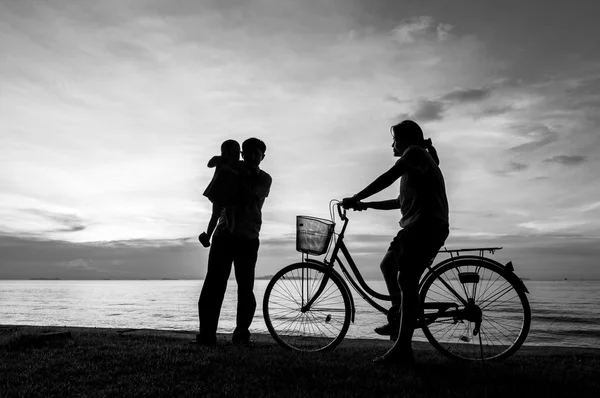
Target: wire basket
{"points": [[313, 234]]}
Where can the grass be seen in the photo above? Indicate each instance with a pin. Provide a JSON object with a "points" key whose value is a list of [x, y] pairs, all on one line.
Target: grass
{"points": [[104, 363]]}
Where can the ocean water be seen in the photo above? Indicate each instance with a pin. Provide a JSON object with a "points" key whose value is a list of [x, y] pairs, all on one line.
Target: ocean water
{"points": [[564, 313]]}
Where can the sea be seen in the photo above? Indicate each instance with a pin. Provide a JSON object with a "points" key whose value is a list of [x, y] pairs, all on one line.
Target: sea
{"points": [[564, 313]]}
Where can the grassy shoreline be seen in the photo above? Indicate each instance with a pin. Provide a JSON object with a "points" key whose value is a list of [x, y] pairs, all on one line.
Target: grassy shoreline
{"points": [[134, 362]]}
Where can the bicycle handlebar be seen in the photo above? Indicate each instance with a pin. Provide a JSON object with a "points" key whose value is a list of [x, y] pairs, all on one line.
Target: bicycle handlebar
{"points": [[341, 211]]}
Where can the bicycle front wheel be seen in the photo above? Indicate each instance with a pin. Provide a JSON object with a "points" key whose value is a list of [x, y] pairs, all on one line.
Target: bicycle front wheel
{"points": [[474, 310], [318, 328]]}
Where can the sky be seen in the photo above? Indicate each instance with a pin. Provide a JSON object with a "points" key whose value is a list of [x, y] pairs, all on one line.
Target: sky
{"points": [[109, 112]]}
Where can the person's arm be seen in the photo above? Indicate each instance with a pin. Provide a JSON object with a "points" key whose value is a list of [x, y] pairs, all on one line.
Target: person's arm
{"points": [[264, 187], [382, 182], [390, 204], [215, 161], [257, 191]]}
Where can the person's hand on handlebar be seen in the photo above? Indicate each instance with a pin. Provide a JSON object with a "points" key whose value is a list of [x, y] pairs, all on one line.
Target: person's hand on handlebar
{"points": [[354, 204]]}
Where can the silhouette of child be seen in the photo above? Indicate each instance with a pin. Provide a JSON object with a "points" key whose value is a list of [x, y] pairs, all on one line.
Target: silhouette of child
{"points": [[223, 189]]}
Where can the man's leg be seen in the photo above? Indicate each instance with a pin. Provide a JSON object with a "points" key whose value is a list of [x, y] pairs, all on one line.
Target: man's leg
{"points": [[244, 266], [214, 287]]}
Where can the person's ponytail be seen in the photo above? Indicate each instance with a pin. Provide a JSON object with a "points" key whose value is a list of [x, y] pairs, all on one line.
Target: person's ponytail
{"points": [[428, 145]]}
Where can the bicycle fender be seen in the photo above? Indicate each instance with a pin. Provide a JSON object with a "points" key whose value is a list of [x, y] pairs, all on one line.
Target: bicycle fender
{"points": [[344, 284], [508, 267]]}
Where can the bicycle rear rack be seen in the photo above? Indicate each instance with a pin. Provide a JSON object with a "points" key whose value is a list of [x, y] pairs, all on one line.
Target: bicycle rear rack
{"points": [[481, 250]]}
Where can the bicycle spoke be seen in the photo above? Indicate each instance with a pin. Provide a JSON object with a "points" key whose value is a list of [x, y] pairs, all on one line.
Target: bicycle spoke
{"points": [[491, 297], [312, 328]]}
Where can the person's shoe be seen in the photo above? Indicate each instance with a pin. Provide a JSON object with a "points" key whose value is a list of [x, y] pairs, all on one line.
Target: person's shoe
{"points": [[243, 342], [205, 341], [204, 239], [241, 339], [388, 330]]}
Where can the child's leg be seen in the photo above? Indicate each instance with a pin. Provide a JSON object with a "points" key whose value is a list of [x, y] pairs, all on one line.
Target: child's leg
{"points": [[212, 223], [204, 237]]}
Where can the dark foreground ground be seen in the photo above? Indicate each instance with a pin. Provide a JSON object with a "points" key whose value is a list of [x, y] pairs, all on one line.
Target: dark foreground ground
{"points": [[113, 362]]}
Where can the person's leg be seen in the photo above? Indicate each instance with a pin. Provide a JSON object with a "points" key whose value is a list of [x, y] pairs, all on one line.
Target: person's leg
{"points": [[402, 348], [419, 247], [389, 269], [244, 266], [214, 287], [408, 316]]}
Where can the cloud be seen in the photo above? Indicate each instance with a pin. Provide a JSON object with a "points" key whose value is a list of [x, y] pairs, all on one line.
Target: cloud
{"points": [[512, 167], [394, 99], [427, 111], [128, 50], [408, 32], [515, 166], [67, 222], [539, 135], [556, 225], [589, 206], [146, 243], [496, 110], [443, 31], [28, 257], [566, 160], [467, 95], [81, 265], [432, 110]]}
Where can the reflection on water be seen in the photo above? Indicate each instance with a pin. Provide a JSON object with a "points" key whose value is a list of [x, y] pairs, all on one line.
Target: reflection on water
{"points": [[564, 313]]}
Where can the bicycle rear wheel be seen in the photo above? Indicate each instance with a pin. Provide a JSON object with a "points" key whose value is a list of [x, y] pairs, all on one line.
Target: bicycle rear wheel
{"points": [[474, 310], [318, 328]]}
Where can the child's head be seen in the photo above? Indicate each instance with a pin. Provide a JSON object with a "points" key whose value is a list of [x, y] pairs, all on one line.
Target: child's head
{"points": [[230, 149]]}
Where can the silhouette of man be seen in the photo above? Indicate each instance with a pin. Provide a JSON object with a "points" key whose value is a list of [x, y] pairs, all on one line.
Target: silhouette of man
{"points": [[238, 247]]}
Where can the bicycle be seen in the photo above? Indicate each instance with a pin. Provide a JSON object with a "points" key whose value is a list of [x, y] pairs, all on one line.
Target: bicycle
{"points": [[471, 307]]}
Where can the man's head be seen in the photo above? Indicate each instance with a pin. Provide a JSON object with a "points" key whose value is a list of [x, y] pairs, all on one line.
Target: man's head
{"points": [[405, 134], [253, 152]]}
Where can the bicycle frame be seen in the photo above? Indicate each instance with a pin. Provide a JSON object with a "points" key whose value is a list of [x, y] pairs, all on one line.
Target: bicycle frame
{"points": [[366, 292], [361, 287]]}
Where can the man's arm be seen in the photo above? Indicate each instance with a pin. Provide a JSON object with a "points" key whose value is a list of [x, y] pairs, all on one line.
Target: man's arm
{"points": [[255, 191], [264, 186]]}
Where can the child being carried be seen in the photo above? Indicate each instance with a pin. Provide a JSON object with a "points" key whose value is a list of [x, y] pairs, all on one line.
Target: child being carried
{"points": [[224, 188]]}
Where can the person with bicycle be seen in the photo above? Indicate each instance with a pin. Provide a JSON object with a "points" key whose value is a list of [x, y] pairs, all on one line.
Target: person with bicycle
{"points": [[424, 228]]}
